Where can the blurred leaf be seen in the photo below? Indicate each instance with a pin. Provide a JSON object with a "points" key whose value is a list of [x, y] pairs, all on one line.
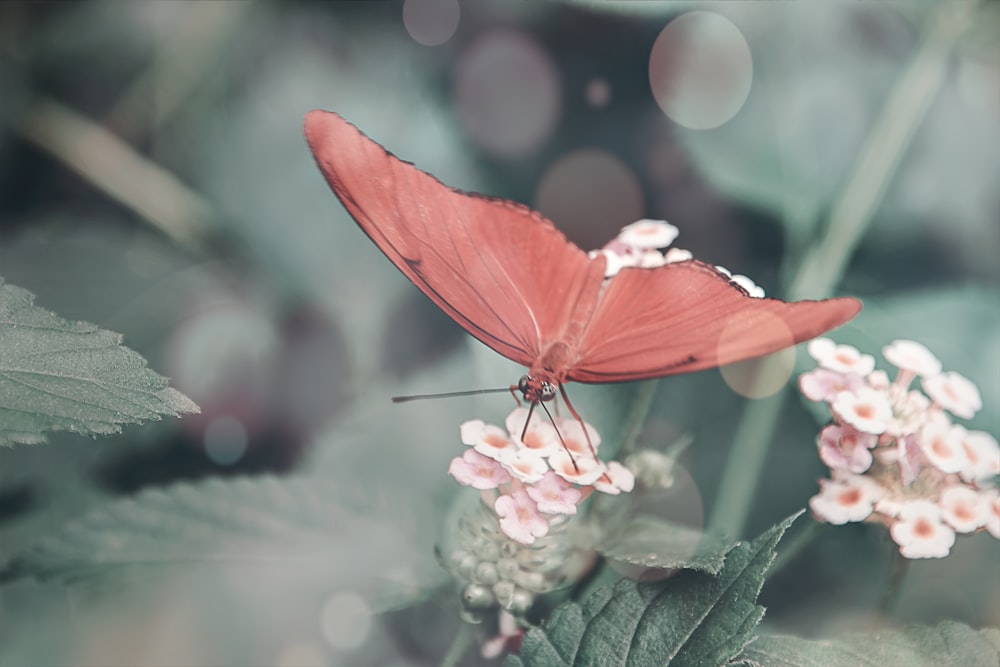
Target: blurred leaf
{"points": [[649, 541], [301, 527], [947, 644], [689, 619], [62, 375]]}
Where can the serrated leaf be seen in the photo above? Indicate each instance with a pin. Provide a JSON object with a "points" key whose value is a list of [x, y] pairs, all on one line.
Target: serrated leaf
{"points": [[649, 541], [302, 528], [62, 375], [689, 619], [947, 644]]}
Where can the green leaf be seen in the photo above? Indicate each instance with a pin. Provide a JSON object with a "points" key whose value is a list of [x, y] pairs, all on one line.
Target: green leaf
{"points": [[947, 644], [62, 375], [302, 529], [649, 541], [689, 619]]}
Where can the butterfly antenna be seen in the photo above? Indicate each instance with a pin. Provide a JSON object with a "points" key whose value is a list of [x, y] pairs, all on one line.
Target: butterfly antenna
{"points": [[556, 427], [450, 394], [576, 415]]}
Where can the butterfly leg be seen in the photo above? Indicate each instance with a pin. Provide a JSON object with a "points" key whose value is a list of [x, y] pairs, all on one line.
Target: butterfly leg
{"points": [[576, 415], [514, 388], [556, 427]]}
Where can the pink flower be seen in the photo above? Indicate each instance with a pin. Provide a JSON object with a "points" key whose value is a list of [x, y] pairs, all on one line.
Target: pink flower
{"points": [[920, 531], [823, 384], [840, 358], [941, 442], [553, 495], [866, 409], [845, 448], [955, 393], [616, 478], [488, 440], [478, 471], [991, 498], [912, 356], [850, 498], [648, 234], [580, 469], [519, 517], [963, 509]]}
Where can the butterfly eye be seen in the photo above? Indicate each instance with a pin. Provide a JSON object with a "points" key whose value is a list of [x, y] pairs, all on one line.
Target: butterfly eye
{"points": [[523, 383], [547, 392]]}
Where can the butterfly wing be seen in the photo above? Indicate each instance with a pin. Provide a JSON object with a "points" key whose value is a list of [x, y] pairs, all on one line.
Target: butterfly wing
{"points": [[686, 317], [499, 269]]}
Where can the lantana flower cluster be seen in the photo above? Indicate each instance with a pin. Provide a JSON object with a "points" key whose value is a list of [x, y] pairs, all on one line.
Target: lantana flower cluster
{"points": [[533, 481], [895, 455]]}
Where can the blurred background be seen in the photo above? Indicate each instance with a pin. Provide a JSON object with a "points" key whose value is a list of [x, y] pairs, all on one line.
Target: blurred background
{"points": [[155, 181]]}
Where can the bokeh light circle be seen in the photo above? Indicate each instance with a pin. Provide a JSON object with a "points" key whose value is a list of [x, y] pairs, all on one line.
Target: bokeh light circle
{"points": [[700, 70], [507, 93], [590, 189], [225, 440], [598, 92], [345, 620], [431, 22], [764, 376]]}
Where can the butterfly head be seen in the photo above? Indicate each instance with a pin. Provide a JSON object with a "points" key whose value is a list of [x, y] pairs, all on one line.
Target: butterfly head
{"points": [[536, 389]]}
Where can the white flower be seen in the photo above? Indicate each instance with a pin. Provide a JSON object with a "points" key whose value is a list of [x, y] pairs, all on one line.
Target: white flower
{"points": [[540, 437], [964, 509], [866, 409], [616, 478], [840, 358], [648, 234], [575, 439], [584, 471], [983, 455], [849, 498], [650, 259], [912, 356], [920, 532], [524, 465], [955, 393], [488, 440], [941, 442], [674, 255]]}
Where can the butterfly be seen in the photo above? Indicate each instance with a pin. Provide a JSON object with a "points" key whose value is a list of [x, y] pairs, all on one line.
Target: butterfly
{"points": [[512, 280]]}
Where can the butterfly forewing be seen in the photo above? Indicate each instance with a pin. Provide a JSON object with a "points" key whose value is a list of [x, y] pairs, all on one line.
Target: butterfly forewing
{"points": [[500, 270]]}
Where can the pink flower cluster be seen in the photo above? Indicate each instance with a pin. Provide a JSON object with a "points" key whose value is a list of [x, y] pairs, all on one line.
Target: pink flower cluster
{"points": [[894, 453], [533, 481]]}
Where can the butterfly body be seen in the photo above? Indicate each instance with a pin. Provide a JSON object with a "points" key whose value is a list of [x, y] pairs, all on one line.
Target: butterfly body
{"points": [[513, 281]]}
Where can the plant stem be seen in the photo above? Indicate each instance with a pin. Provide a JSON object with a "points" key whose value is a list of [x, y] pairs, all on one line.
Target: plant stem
{"points": [[459, 645], [637, 416], [824, 265], [898, 569]]}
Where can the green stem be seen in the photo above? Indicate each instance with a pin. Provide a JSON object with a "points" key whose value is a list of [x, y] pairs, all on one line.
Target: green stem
{"points": [[637, 416], [459, 645], [898, 569], [824, 265]]}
